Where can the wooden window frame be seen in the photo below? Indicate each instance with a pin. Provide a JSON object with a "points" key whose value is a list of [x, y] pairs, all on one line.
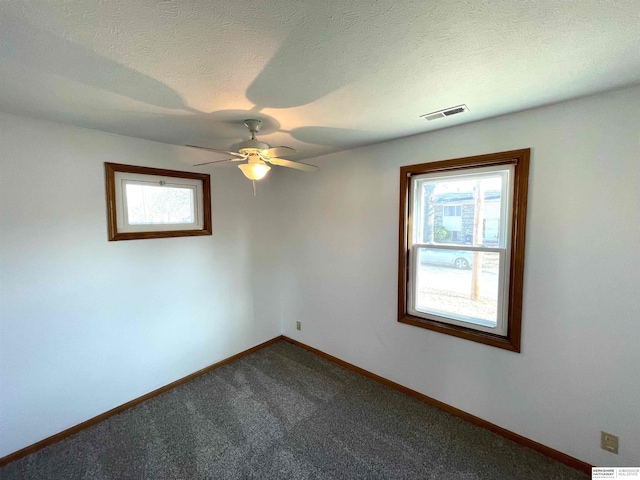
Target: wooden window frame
{"points": [[520, 160], [112, 207]]}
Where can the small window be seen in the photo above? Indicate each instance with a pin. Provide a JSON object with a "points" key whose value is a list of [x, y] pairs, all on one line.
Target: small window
{"points": [[461, 266], [452, 211], [147, 202]]}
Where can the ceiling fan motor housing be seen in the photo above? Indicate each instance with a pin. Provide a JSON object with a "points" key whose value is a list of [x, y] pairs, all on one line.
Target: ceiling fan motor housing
{"points": [[252, 146]]}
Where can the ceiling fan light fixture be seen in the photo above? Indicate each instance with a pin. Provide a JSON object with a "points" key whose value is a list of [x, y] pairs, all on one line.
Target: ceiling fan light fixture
{"points": [[254, 171]]}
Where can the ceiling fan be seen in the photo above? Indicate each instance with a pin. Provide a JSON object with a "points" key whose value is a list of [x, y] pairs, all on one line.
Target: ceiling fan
{"points": [[258, 155]]}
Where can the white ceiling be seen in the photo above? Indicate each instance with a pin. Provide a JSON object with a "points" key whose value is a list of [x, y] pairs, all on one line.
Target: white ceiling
{"points": [[323, 75]]}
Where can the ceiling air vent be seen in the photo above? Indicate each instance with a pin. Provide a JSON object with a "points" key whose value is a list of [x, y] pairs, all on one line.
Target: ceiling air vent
{"points": [[447, 112]]}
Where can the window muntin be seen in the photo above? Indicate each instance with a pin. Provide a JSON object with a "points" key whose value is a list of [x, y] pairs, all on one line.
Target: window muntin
{"points": [[151, 203], [462, 246]]}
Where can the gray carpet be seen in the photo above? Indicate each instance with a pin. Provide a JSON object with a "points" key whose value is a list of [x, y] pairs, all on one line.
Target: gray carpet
{"points": [[283, 413]]}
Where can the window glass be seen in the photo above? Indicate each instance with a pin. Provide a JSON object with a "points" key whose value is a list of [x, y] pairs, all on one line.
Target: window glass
{"points": [[154, 204], [445, 286], [478, 198], [459, 286]]}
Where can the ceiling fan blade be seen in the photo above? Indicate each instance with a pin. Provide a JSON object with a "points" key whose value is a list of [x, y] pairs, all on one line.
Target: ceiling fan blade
{"points": [[234, 154], [219, 161], [280, 151], [288, 163]]}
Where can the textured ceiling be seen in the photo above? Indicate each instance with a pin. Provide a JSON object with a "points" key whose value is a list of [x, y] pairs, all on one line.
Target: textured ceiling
{"points": [[323, 75]]}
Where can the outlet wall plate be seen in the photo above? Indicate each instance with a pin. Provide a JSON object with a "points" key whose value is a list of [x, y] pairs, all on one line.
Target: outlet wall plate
{"points": [[298, 326], [609, 442]]}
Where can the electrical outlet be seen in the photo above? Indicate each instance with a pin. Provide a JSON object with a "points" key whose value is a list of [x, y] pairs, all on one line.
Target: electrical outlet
{"points": [[298, 326], [609, 442]]}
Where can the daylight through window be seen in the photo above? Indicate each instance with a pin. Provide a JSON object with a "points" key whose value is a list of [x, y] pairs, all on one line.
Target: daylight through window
{"points": [[159, 204], [462, 246]]}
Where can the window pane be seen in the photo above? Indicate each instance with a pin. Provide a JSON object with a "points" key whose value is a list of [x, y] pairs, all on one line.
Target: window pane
{"points": [[463, 209], [154, 205], [445, 285]]}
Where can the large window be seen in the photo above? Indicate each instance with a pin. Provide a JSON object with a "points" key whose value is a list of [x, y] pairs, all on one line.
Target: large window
{"points": [[151, 203], [462, 232]]}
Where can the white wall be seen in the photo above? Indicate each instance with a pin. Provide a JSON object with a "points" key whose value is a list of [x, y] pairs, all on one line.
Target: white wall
{"points": [[87, 324], [579, 370]]}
